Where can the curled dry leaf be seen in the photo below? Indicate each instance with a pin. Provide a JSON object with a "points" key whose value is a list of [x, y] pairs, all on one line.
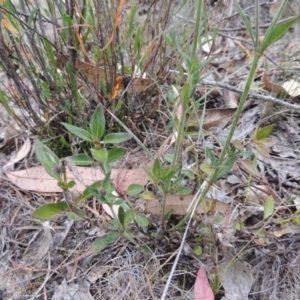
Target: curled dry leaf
{"points": [[23, 152]]}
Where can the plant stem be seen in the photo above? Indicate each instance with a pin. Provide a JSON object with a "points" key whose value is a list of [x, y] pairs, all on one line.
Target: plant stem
{"points": [[197, 27], [216, 171]]}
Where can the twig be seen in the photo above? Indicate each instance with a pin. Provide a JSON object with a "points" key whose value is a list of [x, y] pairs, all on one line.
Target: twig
{"points": [[239, 91], [149, 286]]}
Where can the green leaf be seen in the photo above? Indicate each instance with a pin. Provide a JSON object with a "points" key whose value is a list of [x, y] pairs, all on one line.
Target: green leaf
{"points": [[81, 159], [75, 217], [262, 133], [129, 216], [156, 168], [147, 196], [116, 138], [67, 19], [100, 155], [70, 184], [169, 214], [206, 168], [238, 145], [142, 220], [177, 182], [261, 148], [245, 153], [168, 157], [269, 207], [62, 185], [184, 191], [211, 156], [198, 250], [97, 124], [78, 131], [247, 23], [147, 250], [91, 191], [115, 154], [48, 159], [50, 210], [121, 215], [134, 189], [188, 173], [228, 166], [185, 95], [277, 33], [102, 242]]}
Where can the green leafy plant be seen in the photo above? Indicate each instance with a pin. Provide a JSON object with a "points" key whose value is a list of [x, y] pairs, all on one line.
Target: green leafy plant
{"points": [[102, 190], [273, 34]]}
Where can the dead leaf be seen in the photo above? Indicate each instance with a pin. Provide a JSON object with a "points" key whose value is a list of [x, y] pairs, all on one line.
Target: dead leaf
{"points": [[202, 289], [218, 117], [292, 87], [23, 152], [275, 89], [237, 278], [46, 243], [230, 99], [72, 290], [7, 134], [37, 179], [287, 229], [92, 74], [180, 205]]}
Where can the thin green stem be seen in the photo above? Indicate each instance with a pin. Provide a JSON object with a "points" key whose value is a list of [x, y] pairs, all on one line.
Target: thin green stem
{"points": [[216, 171], [197, 27]]}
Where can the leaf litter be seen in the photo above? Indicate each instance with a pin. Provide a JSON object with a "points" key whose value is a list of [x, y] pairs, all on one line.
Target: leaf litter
{"points": [[240, 202]]}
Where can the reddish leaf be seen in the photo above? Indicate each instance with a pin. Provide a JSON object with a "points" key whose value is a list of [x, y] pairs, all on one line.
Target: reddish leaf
{"points": [[202, 288]]}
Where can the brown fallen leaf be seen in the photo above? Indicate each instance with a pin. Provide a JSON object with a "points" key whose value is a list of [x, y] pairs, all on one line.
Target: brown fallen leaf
{"points": [[275, 89], [92, 74], [180, 204], [37, 179], [217, 117]]}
